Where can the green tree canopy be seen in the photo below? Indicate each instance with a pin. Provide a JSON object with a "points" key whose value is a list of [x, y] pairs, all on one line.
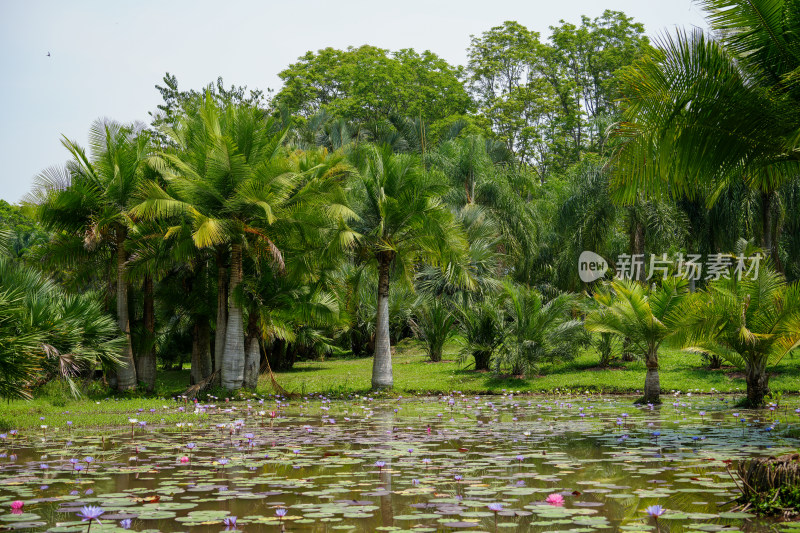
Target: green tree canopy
{"points": [[369, 83]]}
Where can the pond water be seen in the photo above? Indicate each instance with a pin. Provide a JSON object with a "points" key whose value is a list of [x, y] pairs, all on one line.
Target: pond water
{"points": [[418, 464]]}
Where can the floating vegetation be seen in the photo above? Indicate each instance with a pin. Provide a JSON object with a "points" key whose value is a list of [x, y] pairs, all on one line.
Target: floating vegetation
{"points": [[450, 463]]}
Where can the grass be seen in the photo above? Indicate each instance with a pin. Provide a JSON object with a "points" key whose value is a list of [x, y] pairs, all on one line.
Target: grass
{"points": [[413, 374], [54, 407]]}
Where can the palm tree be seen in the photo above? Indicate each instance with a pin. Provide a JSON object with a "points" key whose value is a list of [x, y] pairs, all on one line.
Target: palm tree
{"points": [[751, 322], [91, 199], [227, 176], [482, 325], [483, 260], [231, 180], [646, 317], [46, 332], [433, 322], [537, 331], [400, 222], [705, 112]]}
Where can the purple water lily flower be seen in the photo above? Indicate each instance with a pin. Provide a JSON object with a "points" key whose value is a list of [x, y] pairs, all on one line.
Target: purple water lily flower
{"points": [[495, 507], [125, 524], [89, 513], [655, 511], [230, 522], [280, 512]]}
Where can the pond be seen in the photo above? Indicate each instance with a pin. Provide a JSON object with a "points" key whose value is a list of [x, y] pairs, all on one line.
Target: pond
{"points": [[453, 463]]}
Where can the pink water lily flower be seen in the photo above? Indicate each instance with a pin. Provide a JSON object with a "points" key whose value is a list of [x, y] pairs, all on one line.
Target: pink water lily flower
{"points": [[555, 500]]}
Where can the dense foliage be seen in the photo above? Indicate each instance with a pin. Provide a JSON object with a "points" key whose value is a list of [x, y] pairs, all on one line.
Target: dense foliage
{"points": [[386, 194]]}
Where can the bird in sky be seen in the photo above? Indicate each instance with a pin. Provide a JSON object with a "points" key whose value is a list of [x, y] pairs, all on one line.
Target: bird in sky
{"points": [[48, 54]]}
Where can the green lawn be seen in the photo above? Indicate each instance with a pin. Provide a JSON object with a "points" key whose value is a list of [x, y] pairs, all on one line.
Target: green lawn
{"points": [[414, 374]]}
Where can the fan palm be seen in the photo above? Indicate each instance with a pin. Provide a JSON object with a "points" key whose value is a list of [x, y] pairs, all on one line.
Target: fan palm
{"points": [[645, 316], [91, 198], [46, 332], [400, 222], [751, 322]]}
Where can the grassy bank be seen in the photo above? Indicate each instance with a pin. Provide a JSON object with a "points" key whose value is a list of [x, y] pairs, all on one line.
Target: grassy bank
{"points": [[413, 374]]}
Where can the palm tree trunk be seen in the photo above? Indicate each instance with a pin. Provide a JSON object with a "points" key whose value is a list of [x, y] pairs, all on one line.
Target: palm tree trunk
{"points": [[769, 240], [652, 385], [146, 360], [233, 356], [201, 350], [382, 363], [222, 313], [126, 371], [766, 223], [253, 352], [637, 245], [757, 384], [482, 358]]}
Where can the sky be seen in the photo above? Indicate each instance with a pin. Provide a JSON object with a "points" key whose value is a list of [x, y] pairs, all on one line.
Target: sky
{"points": [[107, 56]]}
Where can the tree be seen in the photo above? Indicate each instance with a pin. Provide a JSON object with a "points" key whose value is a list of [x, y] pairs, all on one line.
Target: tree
{"points": [[581, 64], [433, 323], [90, 200], [482, 325], [24, 230], [538, 331], [178, 103], [751, 322], [226, 178], [46, 332], [369, 84], [705, 112], [646, 317], [506, 83], [551, 101], [401, 221], [231, 180]]}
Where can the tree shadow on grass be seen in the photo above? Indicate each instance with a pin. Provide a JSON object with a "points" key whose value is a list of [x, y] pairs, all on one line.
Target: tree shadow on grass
{"points": [[302, 369]]}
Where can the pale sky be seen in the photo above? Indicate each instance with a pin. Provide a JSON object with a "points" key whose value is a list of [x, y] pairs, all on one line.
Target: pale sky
{"points": [[107, 55]]}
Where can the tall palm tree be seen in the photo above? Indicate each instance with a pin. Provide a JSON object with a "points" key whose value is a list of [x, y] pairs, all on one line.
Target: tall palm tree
{"points": [[232, 181], [645, 316], [705, 112], [401, 221], [91, 199], [750, 322], [226, 176]]}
